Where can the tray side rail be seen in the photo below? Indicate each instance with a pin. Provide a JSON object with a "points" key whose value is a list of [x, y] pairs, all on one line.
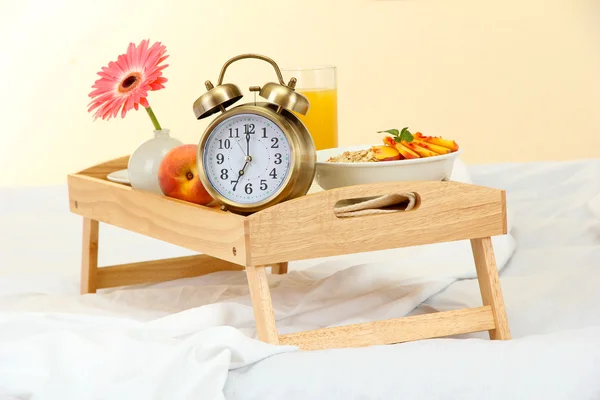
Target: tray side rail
{"points": [[100, 171], [307, 227], [204, 229]]}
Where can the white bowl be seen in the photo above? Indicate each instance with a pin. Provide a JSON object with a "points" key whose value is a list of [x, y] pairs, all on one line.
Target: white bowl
{"points": [[330, 175]]}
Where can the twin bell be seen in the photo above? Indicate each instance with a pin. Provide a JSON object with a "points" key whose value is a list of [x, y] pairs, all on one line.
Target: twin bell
{"points": [[219, 97]]}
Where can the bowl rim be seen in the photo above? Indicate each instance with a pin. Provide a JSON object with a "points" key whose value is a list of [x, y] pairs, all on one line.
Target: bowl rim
{"points": [[413, 161]]}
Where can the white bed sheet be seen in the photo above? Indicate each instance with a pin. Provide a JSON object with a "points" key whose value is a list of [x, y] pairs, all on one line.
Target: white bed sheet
{"points": [[48, 282]]}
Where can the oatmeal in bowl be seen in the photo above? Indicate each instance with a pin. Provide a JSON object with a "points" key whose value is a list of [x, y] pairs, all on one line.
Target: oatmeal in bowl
{"points": [[363, 155], [402, 157]]}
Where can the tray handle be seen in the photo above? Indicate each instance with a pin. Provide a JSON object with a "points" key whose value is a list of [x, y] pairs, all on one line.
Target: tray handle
{"points": [[385, 204]]}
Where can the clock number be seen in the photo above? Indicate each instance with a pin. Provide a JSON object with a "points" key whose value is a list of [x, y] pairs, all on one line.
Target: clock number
{"points": [[263, 184], [248, 128], [277, 158], [237, 133], [264, 136], [234, 183], [275, 144], [248, 188], [221, 158], [227, 144], [224, 174], [273, 174]]}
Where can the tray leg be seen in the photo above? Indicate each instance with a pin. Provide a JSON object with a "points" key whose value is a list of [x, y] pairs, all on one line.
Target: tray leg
{"points": [[89, 256], [489, 285], [262, 305], [279, 269]]}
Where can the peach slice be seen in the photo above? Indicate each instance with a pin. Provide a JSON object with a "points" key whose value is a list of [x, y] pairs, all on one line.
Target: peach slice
{"points": [[406, 152], [449, 144], [389, 141], [385, 153], [423, 152], [433, 147]]}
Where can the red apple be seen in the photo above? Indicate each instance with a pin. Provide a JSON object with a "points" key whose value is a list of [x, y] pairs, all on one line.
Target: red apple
{"points": [[178, 175]]}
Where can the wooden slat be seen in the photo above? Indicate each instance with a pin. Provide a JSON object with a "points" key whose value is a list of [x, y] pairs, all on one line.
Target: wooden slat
{"points": [[89, 256], [262, 305], [203, 229], [489, 286], [398, 330], [307, 227], [162, 270]]}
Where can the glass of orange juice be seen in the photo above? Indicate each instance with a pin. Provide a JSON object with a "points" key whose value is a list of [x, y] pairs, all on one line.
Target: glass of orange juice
{"points": [[319, 85]]}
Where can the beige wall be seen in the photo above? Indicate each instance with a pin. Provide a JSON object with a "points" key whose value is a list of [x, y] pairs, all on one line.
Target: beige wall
{"points": [[510, 80]]}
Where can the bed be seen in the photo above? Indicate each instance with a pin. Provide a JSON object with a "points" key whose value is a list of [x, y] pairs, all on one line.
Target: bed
{"points": [[193, 338]]}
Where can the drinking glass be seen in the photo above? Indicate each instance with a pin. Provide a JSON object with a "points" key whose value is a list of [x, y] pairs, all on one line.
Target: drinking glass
{"points": [[319, 85]]}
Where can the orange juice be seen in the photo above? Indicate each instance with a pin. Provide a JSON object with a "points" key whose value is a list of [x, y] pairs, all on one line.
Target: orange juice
{"points": [[321, 119]]}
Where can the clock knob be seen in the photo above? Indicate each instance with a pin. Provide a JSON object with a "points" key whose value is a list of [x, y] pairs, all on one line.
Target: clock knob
{"points": [[216, 99], [285, 96]]}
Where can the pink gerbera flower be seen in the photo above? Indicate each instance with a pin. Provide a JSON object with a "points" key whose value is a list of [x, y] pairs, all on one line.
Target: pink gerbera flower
{"points": [[124, 84]]}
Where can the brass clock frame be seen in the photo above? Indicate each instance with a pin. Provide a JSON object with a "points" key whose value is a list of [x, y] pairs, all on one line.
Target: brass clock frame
{"points": [[302, 152], [281, 99]]}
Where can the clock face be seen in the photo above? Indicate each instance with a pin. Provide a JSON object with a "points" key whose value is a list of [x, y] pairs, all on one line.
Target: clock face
{"points": [[246, 158]]}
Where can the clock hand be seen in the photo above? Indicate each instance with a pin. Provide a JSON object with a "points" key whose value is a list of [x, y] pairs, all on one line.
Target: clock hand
{"points": [[240, 146], [248, 145], [241, 173]]}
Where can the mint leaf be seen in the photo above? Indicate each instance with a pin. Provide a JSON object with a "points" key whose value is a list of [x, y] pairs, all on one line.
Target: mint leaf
{"points": [[393, 132], [405, 135]]}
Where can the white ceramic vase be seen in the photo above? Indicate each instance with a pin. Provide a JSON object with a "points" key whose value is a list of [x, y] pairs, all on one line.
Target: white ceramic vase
{"points": [[145, 160]]}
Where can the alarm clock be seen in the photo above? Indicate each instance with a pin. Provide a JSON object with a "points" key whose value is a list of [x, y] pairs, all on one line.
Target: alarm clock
{"points": [[254, 155]]}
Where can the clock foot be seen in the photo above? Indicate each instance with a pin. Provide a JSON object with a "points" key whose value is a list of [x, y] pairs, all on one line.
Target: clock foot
{"points": [[224, 208]]}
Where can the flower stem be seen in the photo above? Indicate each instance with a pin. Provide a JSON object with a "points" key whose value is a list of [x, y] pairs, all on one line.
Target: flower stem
{"points": [[153, 118]]}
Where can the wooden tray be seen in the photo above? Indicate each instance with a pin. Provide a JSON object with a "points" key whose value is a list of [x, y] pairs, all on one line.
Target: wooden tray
{"points": [[301, 228]]}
